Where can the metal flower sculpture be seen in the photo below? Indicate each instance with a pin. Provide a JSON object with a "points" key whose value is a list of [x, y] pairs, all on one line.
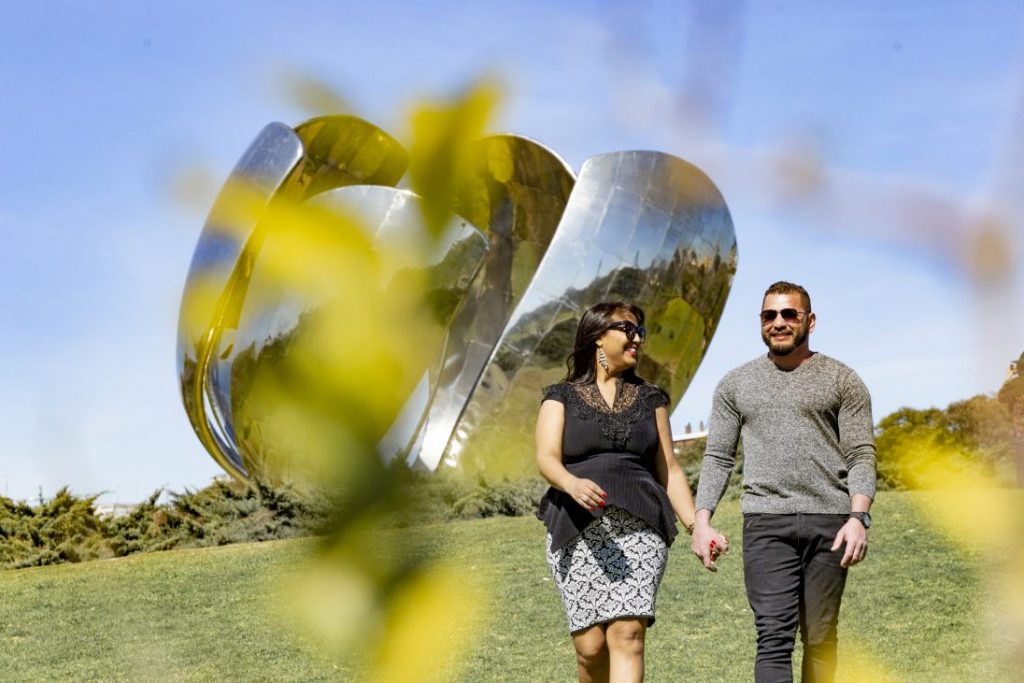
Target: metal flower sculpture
{"points": [[527, 248]]}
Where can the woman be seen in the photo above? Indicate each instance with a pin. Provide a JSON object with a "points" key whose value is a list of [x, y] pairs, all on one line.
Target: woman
{"points": [[605, 445]]}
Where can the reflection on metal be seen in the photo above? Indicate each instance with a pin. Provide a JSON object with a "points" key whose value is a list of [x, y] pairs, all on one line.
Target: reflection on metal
{"points": [[342, 151], [638, 226], [274, 312], [516, 190], [258, 175], [452, 261], [276, 163]]}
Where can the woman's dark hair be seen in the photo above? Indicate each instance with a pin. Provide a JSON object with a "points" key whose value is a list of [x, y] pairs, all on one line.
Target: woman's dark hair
{"points": [[593, 324]]}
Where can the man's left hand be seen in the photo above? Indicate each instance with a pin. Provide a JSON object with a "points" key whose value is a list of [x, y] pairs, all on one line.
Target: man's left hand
{"points": [[855, 536]]}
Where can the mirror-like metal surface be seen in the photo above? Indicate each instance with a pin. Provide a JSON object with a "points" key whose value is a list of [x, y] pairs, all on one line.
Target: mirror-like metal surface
{"points": [[275, 313], [516, 190], [639, 226], [502, 306], [342, 149], [260, 172]]}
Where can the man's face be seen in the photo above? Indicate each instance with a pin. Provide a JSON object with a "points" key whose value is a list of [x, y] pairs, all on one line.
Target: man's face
{"points": [[783, 335]]}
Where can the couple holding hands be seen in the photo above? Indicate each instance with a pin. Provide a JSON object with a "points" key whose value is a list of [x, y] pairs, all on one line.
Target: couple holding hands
{"points": [[605, 445]]}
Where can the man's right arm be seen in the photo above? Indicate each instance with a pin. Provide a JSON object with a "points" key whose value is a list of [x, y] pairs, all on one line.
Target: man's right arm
{"points": [[720, 453], [719, 459]]}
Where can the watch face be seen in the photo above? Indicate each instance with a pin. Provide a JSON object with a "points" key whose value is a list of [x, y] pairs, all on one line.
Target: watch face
{"points": [[864, 518]]}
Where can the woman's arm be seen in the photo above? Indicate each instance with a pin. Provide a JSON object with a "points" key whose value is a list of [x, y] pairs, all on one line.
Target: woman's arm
{"points": [[671, 475], [550, 425]]}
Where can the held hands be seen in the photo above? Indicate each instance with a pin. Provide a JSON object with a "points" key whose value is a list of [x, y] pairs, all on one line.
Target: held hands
{"points": [[708, 545], [587, 494], [855, 536]]}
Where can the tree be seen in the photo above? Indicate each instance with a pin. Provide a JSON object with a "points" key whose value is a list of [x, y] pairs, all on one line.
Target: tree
{"points": [[972, 435]]}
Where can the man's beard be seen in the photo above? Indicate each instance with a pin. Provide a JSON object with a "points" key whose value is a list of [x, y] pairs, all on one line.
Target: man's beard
{"points": [[787, 347]]}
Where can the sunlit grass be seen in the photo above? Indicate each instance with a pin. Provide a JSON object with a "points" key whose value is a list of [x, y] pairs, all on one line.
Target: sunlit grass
{"points": [[978, 513], [914, 611]]}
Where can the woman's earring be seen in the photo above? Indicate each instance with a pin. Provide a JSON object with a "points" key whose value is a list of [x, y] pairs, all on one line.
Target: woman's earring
{"points": [[602, 359]]}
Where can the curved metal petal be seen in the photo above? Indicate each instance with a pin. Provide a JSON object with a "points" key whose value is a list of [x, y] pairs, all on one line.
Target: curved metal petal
{"points": [[274, 310], [257, 176], [516, 191], [343, 151], [320, 154], [639, 226]]}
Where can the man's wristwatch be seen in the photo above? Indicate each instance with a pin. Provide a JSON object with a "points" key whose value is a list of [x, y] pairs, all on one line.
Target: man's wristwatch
{"points": [[863, 517]]}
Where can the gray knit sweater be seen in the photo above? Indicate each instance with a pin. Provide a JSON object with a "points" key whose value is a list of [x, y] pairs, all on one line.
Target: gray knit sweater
{"points": [[808, 438]]}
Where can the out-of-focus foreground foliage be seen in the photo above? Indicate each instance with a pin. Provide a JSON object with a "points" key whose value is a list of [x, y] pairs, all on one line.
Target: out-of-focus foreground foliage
{"points": [[316, 415], [973, 437]]}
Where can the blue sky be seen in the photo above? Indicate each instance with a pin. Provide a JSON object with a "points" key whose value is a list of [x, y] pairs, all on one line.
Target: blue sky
{"points": [[907, 119]]}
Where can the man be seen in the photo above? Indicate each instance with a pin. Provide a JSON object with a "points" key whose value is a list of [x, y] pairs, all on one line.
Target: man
{"points": [[808, 483]]}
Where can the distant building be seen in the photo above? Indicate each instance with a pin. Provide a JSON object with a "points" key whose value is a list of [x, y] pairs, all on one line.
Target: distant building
{"points": [[690, 435], [114, 510]]}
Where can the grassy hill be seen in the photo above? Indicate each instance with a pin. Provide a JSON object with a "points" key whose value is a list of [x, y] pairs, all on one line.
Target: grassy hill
{"points": [[913, 611]]}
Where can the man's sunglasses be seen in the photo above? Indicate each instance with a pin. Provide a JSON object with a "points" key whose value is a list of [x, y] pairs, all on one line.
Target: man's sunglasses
{"points": [[790, 315], [630, 329]]}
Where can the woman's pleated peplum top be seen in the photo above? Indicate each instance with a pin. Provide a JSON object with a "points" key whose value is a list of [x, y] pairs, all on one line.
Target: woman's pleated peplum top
{"points": [[615, 447]]}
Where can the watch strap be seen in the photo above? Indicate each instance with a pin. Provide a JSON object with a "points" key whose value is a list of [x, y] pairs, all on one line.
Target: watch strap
{"points": [[862, 517]]}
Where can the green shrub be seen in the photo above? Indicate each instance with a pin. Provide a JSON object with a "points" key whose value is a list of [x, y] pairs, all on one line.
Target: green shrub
{"points": [[447, 494], [234, 512], [690, 455], [508, 498], [63, 529], [66, 528]]}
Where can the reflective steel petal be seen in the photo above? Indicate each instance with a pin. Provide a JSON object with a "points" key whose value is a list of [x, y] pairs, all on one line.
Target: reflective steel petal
{"points": [[260, 172], [639, 226], [516, 191], [274, 311], [341, 150]]}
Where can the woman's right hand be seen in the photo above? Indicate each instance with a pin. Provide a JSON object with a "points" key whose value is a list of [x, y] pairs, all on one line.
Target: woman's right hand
{"points": [[587, 494], [708, 545]]}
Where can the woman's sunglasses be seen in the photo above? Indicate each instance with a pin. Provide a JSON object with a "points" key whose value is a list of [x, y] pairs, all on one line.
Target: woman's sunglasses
{"points": [[630, 329], [790, 315]]}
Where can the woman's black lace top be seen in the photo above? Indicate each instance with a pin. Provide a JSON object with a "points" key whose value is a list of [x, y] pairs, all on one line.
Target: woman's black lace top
{"points": [[616, 448]]}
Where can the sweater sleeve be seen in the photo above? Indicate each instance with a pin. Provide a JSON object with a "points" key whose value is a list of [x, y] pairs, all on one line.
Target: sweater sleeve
{"points": [[720, 455], [856, 435]]}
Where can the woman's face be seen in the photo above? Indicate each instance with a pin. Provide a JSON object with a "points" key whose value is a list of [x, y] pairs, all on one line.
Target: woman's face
{"points": [[621, 351]]}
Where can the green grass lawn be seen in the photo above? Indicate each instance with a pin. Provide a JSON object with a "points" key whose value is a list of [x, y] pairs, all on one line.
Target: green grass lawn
{"points": [[913, 611]]}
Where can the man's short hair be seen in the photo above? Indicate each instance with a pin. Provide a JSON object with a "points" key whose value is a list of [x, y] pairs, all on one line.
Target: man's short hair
{"points": [[783, 287]]}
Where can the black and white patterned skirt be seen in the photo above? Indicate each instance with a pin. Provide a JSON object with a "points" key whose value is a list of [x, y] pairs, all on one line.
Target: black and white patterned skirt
{"points": [[611, 570]]}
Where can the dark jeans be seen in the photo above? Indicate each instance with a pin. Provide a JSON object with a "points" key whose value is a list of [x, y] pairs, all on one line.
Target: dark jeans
{"points": [[793, 578]]}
